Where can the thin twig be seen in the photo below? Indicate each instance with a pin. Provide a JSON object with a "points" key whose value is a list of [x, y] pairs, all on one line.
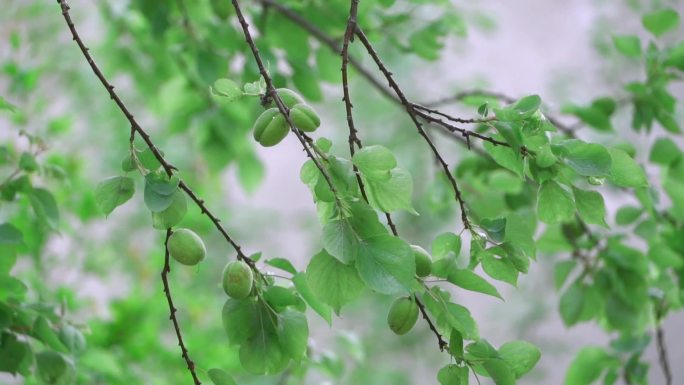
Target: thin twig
{"points": [[273, 95], [172, 310], [440, 339], [662, 347], [414, 117], [331, 43], [452, 118], [568, 130], [353, 137], [334, 46], [137, 129]]}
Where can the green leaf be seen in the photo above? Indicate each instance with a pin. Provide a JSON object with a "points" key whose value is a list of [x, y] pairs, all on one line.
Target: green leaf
{"points": [[456, 344], [54, 368], [459, 318], [9, 234], [45, 206], [554, 204], [521, 356], [659, 22], [446, 243], [301, 283], [665, 152], [393, 194], [625, 172], [468, 280], [43, 332], [27, 162], [340, 240], [335, 283], [219, 377], [386, 264], [592, 115], [571, 304], [282, 264], [506, 157], [561, 272], [453, 375], [15, 355], [293, 334], [12, 287], [172, 215], [113, 192], [227, 89], [238, 319], [148, 160], [481, 349], [159, 190], [501, 269], [375, 162], [628, 214], [590, 206], [499, 371], [588, 366], [587, 159], [628, 45], [262, 353]]}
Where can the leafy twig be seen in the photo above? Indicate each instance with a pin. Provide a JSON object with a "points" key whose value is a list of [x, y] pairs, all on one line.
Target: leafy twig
{"points": [[568, 130], [354, 140], [172, 310], [414, 117], [271, 93], [137, 129]]}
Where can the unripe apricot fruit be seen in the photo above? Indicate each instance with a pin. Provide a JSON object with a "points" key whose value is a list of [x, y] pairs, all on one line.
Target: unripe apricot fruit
{"points": [[270, 128], [289, 98], [402, 315], [423, 261], [237, 279], [304, 117], [186, 247]]}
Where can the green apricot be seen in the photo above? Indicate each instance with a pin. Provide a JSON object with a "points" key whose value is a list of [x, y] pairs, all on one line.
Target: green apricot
{"points": [[423, 261], [270, 128], [289, 98], [304, 117], [237, 279], [186, 247], [403, 314]]}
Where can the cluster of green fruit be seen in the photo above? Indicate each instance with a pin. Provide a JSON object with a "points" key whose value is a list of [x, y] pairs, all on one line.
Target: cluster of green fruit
{"points": [[271, 127], [187, 248], [403, 313]]}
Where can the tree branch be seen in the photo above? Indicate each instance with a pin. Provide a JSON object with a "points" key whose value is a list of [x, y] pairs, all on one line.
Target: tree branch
{"points": [[414, 118], [137, 129], [271, 93], [568, 130], [440, 339], [172, 310]]}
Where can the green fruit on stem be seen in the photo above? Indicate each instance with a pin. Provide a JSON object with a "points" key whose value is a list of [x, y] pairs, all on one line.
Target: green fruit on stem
{"points": [[237, 279], [289, 98], [423, 261], [304, 117], [403, 314], [270, 128], [186, 247]]}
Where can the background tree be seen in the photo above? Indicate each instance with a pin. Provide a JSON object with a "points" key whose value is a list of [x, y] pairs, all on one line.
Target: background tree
{"points": [[491, 184]]}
